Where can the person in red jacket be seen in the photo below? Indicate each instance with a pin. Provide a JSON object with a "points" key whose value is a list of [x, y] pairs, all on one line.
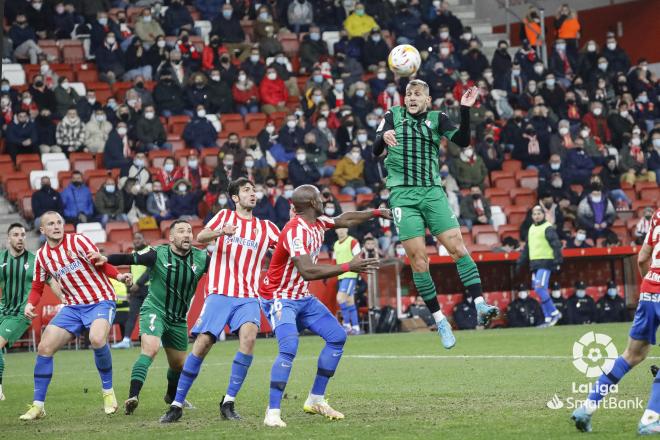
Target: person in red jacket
{"points": [[246, 94], [193, 172], [273, 93], [597, 122], [167, 174], [212, 53]]}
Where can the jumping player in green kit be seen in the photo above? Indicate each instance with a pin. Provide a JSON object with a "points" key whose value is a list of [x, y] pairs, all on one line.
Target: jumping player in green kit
{"points": [[410, 137]]}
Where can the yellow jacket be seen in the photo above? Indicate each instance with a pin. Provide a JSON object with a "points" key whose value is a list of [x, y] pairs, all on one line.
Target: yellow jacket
{"points": [[357, 25], [348, 170]]}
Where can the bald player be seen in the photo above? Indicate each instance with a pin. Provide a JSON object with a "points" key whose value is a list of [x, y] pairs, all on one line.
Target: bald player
{"points": [[290, 305]]}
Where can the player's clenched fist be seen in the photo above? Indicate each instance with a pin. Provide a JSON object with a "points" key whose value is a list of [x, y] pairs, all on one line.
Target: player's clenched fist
{"points": [[30, 311], [390, 138], [358, 264], [97, 258], [125, 278], [228, 229]]}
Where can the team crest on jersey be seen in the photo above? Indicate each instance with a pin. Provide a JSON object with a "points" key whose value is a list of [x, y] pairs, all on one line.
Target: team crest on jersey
{"points": [[26, 266], [193, 267], [72, 255], [297, 244], [428, 123]]}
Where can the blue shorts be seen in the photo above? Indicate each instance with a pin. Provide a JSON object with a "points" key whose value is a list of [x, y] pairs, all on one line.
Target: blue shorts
{"points": [[647, 318], [347, 285], [541, 278], [301, 312], [221, 310], [77, 317]]}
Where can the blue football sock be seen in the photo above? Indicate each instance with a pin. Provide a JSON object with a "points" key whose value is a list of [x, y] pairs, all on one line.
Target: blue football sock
{"points": [[353, 312], [239, 370], [345, 314], [335, 338], [188, 375], [43, 372], [602, 385], [103, 360], [287, 338], [547, 305], [654, 400]]}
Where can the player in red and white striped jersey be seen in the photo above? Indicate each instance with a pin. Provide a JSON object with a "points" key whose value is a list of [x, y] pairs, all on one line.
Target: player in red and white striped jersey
{"points": [[241, 242], [292, 308], [89, 304], [641, 337]]}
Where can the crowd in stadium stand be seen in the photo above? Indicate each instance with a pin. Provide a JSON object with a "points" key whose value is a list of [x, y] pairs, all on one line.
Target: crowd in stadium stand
{"points": [[263, 98]]}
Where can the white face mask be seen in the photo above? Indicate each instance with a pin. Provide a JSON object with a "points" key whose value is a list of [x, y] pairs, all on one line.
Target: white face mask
{"points": [[254, 58], [656, 143], [556, 294], [591, 47], [469, 152], [584, 133], [580, 293], [580, 236], [131, 102], [602, 66], [201, 113], [222, 201], [561, 47], [192, 163], [100, 118], [523, 294], [322, 124], [217, 78], [444, 35], [550, 82], [611, 46], [272, 76], [161, 43], [149, 115], [110, 188], [138, 163], [147, 18], [228, 163], [329, 211], [168, 167], [270, 129], [381, 75], [44, 69], [598, 111], [121, 131], [288, 193], [362, 138], [538, 69], [624, 114], [291, 124], [563, 131], [355, 157], [259, 195], [241, 78], [182, 188], [467, 36], [555, 166], [636, 141], [444, 51]]}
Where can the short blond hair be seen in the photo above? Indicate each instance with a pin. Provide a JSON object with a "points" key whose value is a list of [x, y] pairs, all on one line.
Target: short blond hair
{"points": [[419, 83]]}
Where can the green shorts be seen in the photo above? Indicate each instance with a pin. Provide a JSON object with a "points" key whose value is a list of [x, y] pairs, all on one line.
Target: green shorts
{"points": [[12, 328], [416, 208], [172, 334]]}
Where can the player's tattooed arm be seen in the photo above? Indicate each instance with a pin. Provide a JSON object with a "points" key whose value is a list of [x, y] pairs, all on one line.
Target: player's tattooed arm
{"points": [[644, 259], [354, 218], [385, 134], [207, 235], [143, 259], [310, 271]]}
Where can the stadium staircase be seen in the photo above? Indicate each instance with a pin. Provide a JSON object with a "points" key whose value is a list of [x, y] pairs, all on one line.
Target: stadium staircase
{"points": [[481, 27], [9, 215]]}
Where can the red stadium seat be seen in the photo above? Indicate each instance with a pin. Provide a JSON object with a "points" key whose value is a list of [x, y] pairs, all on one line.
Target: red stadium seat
{"points": [[511, 165], [16, 183], [641, 187], [498, 196], [27, 158], [516, 214], [73, 54], [364, 199], [528, 178], [87, 76], [121, 235], [232, 126], [25, 208], [345, 198], [157, 157], [210, 157], [110, 247], [503, 180], [290, 45], [256, 120], [28, 166], [485, 235], [523, 196]]}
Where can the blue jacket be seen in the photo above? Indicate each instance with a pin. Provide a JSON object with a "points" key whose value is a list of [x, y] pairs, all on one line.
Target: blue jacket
{"points": [[46, 200], [303, 174], [209, 9], [282, 208], [20, 35], [184, 204], [175, 18], [580, 166], [113, 154], [200, 133], [17, 133], [264, 210], [77, 200], [107, 59]]}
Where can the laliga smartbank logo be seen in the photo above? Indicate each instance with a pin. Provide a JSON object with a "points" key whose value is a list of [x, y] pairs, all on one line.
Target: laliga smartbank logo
{"points": [[593, 355]]}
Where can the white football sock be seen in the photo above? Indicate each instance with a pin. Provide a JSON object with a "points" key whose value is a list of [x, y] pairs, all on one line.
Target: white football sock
{"points": [[38, 403], [315, 398], [229, 398], [179, 404], [438, 316], [590, 406]]}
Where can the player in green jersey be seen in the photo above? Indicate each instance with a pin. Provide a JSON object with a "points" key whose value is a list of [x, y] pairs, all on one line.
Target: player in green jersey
{"points": [[175, 270], [410, 136], [16, 270]]}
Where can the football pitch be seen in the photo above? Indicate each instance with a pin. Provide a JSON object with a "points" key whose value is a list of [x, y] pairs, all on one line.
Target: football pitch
{"points": [[493, 384]]}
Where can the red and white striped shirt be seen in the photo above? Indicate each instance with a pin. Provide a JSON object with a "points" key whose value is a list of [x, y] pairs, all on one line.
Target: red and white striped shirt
{"points": [[236, 261], [80, 280], [651, 281], [283, 281]]}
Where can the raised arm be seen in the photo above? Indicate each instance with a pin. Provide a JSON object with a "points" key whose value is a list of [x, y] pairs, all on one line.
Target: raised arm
{"points": [[354, 218], [208, 235], [386, 125], [143, 259], [461, 137], [310, 271]]}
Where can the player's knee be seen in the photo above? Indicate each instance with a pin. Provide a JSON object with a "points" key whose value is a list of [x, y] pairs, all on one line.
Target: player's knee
{"points": [[336, 336], [202, 345], [350, 301], [97, 341], [456, 248], [289, 346], [420, 261], [634, 357], [45, 349]]}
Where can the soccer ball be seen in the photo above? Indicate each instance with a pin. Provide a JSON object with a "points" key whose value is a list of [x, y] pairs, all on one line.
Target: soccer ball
{"points": [[404, 60]]}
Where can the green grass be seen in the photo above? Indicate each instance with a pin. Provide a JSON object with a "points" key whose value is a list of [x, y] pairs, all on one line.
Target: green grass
{"points": [[384, 385]]}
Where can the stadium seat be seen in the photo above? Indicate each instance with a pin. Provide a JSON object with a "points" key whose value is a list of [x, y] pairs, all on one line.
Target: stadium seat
{"points": [[25, 207], [511, 165], [151, 235], [6, 168], [14, 73], [516, 214], [345, 198], [120, 235], [364, 199], [290, 44], [36, 175], [348, 206], [256, 120], [94, 231], [498, 196], [510, 230], [497, 216], [165, 227], [82, 162], [87, 76], [110, 247], [523, 196], [30, 165], [485, 235], [157, 157], [55, 162], [210, 157], [528, 178], [331, 37], [503, 180]]}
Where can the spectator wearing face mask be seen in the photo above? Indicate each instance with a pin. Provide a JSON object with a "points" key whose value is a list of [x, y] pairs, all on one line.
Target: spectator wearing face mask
{"points": [[149, 131], [469, 170], [595, 213], [148, 29], [117, 151], [65, 97], [654, 156], [177, 18], [97, 131], [264, 209], [579, 240], [399, 250], [524, 311], [184, 201], [615, 55], [168, 96], [302, 171], [24, 40], [359, 23], [559, 301], [70, 133], [580, 164], [46, 132], [167, 174], [109, 203], [587, 60], [21, 136], [158, 203], [110, 60], [273, 93], [283, 205], [193, 172], [200, 132], [633, 162], [465, 313], [597, 123], [531, 149], [611, 307], [375, 51], [139, 172], [620, 122], [611, 178], [77, 201], [475, 208], [245, 94], [45, 199], [643, 226], [546, 172], [562, 63], [349, 174], [290, 136], [580, 308]]}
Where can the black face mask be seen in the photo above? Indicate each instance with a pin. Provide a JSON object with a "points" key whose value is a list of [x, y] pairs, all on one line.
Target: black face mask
{"points": [[39, 84], [476, 196], [530, 131], [125, 117], [77, 184], [518, 119], [139, 85]]}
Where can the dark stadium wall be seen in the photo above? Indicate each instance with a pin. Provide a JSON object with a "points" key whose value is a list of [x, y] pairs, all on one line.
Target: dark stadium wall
{"points": [[636, 21]]}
